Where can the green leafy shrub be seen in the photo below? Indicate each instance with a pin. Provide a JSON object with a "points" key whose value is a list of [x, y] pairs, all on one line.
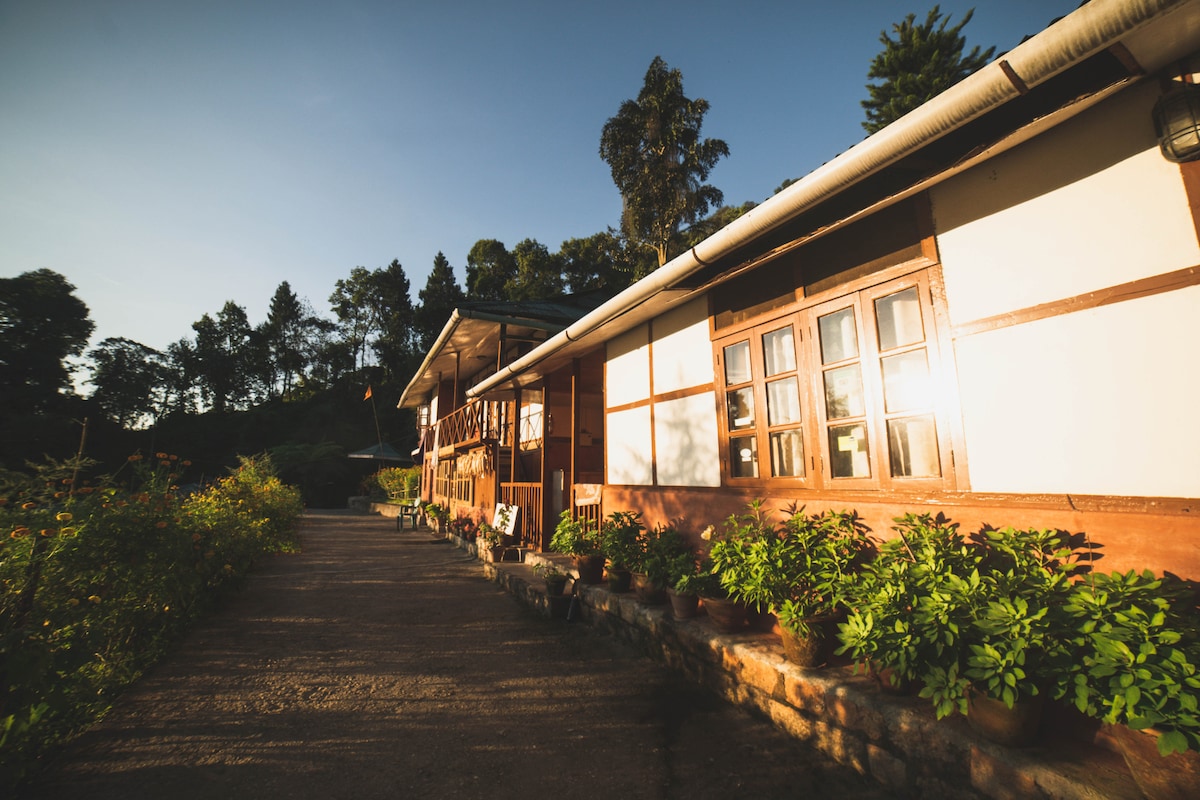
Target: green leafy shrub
{"points": [[1136, 654], [97, 579], [399, 483]]}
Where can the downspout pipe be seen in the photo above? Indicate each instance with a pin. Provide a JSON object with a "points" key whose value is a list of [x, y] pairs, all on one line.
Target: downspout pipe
{"points": [[1086, 31]]}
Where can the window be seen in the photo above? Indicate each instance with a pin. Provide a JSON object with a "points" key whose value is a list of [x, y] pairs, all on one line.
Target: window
{"points": [[763, 403], [838, 393]]}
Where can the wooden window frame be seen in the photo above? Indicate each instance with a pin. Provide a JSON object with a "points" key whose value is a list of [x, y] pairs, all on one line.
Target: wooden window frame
{"points": [[803, 316]]}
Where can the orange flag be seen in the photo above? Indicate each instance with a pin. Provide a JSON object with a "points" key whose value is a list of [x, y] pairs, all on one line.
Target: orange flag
{"points": [[367, 396]]}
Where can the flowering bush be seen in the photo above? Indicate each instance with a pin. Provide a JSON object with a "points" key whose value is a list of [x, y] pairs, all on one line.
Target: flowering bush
{"points": [[97, 578]]}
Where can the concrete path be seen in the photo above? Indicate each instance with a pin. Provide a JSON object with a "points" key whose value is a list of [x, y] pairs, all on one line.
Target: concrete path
{"points": [[381, 664]]}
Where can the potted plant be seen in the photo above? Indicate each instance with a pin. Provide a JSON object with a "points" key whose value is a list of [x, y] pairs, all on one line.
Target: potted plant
{"points": [[439, 514], [693, 580], [664, 557], [622, 546], [493, 540], [794, 571], [555, 579], [880, 633], [994, 630], [579, 538], [1137, 667]]}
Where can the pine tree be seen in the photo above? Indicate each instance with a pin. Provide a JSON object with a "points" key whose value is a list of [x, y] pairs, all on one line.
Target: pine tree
{"points": [[437, 300], [919, 64]]}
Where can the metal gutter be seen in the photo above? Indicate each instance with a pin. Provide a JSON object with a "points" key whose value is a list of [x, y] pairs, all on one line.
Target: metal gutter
{"points": [[1093, 27]]}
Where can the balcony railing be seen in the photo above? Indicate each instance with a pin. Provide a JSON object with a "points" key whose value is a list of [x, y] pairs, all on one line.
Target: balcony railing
{"points": [[472, 424]]}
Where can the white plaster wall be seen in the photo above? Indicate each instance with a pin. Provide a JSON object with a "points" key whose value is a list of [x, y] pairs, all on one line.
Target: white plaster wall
{"points": [[1102, 401], [627, 445], [685, 438], [682, 350], [627, 374], [1087, 205]]}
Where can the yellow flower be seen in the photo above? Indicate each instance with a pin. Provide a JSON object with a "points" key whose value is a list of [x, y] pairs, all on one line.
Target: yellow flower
{"points": [[28, 505], [19, 533], [707, 533], [94, 599], [68, 531], [48, 531], [63, 516]]}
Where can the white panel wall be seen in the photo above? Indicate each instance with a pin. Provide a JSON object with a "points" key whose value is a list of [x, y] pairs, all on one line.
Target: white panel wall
{"points": [[682, 350], [627, 374], [685, 437], [627, 441], [1088, 205], [1096, 402], [685, 429]]}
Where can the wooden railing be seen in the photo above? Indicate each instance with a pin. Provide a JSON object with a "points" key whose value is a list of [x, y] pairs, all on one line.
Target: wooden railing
{"points": [[473, 423], [528, 496]]}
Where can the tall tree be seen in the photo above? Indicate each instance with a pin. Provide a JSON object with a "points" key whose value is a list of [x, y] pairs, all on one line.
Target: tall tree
{"points": [[285, 331], [394, 320], [225, 358], [437, 300], [539, 272], [659, 162], [350, 302], [129, 380], [920, 63], [42, 324], [489, 269]]}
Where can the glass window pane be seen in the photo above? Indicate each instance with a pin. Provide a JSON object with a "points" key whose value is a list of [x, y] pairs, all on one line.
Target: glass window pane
{"points": [[844, 392], [743, 457], [906, 382], [737, 363], [899, 319], [913, 447], [848, 453], [783, 402], [741, 408], [839, 340], [779, 351], [787, 454]]}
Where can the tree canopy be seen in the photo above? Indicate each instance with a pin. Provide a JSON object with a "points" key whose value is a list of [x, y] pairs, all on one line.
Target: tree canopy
{"points": [[42, 324], [921, 62], [659, 162]]}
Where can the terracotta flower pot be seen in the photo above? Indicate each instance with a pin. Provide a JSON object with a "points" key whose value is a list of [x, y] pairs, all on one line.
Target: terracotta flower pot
{"points": [[619, 580], [728, 616], [996, 722], [648, 593], [683, 606], [1173, 777], [803, 650], [590, 568]]}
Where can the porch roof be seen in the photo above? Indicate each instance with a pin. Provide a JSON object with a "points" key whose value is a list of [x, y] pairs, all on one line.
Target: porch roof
{"points": [[476, 330]]}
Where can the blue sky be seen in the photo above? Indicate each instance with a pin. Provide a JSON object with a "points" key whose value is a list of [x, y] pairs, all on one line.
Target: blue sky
{"points": [[169, 156]]}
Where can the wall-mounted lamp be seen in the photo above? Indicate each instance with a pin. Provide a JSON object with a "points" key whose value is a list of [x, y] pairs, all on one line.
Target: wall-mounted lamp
{"points": [[1177, 123]]}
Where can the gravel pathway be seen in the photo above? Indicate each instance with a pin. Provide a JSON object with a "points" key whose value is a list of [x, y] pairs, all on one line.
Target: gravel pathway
{"points": [[381, 664]]}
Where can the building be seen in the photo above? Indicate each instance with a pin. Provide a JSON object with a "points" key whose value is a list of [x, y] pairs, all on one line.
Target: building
{"points": [[989, 309]]}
